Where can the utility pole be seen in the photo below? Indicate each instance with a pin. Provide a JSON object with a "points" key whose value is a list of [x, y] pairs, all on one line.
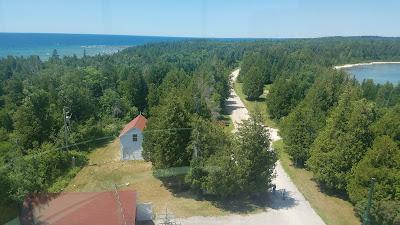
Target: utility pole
{"points": [[67, 119], [366, 220], [196, 98]]}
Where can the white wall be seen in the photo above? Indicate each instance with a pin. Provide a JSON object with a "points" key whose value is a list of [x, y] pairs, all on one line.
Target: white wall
{"points": [[131, 150]]}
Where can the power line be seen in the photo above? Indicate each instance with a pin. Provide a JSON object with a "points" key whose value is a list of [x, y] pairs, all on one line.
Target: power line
{"points": [[76, 144], [169, 129]]}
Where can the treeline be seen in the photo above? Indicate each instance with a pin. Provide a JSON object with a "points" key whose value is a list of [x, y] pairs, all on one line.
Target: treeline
{"points": [[346, 132]]}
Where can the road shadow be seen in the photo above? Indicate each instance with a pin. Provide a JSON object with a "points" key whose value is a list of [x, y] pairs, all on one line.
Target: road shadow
{"points": [[260, 202], [281, 199], [230, 106], [241, 204]]}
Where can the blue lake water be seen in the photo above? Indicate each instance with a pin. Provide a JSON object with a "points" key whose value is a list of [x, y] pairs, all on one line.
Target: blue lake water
{"points": [[380, 73], [26, 44]]}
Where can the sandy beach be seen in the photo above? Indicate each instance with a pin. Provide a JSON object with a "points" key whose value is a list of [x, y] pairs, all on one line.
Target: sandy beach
{"points": [[363, 64]]}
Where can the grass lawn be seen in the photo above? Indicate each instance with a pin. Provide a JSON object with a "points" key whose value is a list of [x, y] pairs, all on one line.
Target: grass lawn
{"points": [[257, 105], [105, 170]]}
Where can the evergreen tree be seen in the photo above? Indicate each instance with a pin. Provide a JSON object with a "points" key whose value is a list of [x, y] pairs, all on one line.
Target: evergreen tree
{"points": [[389, 124], [381, 162], [253, 84], [286, 92], [254, 158], [301, 126], [370, 89], [207, 139], [248, 168], [135, 89], [343, 141], [168, 134]]}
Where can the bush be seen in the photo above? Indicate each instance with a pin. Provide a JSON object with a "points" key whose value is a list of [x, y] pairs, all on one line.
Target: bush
{"points": [[37, 172]]}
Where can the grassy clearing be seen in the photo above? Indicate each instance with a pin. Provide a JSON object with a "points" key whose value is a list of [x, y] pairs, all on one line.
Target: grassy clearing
{"points": [[333, 210], [257, 105], [105, 170]]}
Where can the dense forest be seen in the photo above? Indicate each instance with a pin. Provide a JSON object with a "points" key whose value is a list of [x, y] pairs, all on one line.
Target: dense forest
{"points": [[54, 112], [343, 130]]}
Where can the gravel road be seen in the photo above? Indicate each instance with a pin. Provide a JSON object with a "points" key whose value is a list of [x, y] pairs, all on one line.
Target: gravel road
{"points": [[294, 209]]}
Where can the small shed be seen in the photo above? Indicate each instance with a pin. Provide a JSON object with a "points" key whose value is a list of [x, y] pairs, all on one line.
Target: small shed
{"points": [[131, 139]]}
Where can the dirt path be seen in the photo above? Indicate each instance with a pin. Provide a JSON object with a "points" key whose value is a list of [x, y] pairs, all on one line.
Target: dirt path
{"points": [[293, 210]]}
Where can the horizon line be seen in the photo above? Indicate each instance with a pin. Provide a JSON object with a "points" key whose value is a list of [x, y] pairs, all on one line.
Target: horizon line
{"points": [[199, 37]]}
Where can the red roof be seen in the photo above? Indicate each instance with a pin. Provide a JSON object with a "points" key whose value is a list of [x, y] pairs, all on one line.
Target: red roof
{"points": [[100, 208], [139, 122]]}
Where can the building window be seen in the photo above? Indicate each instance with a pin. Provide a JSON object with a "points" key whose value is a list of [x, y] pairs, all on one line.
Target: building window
{"points": [[134, 137]]}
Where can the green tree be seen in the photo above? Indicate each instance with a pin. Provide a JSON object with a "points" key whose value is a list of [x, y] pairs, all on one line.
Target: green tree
{"points": [[389, 124], [207, 139], [370, 89], [112, 104], [33, 121], [96, 81], [253, 156], [287, 92], [175, 79], [253, 85], [134, 89], [4, 186], [343, 141], [301, 126], [168, 134], [382, 162], [248, 168]]}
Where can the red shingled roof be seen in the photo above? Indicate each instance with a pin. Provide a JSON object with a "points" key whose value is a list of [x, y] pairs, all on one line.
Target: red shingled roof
{"points": [[139, 122], [97, 208]]}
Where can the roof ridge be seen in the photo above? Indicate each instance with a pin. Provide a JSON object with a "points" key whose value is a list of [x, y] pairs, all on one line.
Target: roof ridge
{"points": [[138, 122]]}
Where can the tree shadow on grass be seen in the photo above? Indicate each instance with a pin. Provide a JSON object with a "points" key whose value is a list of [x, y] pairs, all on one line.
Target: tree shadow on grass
{"points": [[241, 204], [331, 192], [259, 99], [263, 201]]}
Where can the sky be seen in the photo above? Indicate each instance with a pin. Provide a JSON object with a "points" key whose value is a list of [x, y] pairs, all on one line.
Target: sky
{"points": [[204, 18]]}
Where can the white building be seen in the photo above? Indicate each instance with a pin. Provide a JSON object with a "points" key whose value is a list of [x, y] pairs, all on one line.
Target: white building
{"points": [[131, 139]]}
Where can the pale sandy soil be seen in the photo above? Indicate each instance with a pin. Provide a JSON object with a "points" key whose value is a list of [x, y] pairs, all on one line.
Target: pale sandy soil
{"points": [[364, 64], [294, 209]]}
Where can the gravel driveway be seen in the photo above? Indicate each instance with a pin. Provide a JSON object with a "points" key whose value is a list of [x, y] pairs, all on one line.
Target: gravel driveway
{"points": [[292, 210]]}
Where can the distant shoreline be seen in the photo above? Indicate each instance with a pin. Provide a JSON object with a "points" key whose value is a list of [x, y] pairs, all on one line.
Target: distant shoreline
{"points": [[363, 64]]}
